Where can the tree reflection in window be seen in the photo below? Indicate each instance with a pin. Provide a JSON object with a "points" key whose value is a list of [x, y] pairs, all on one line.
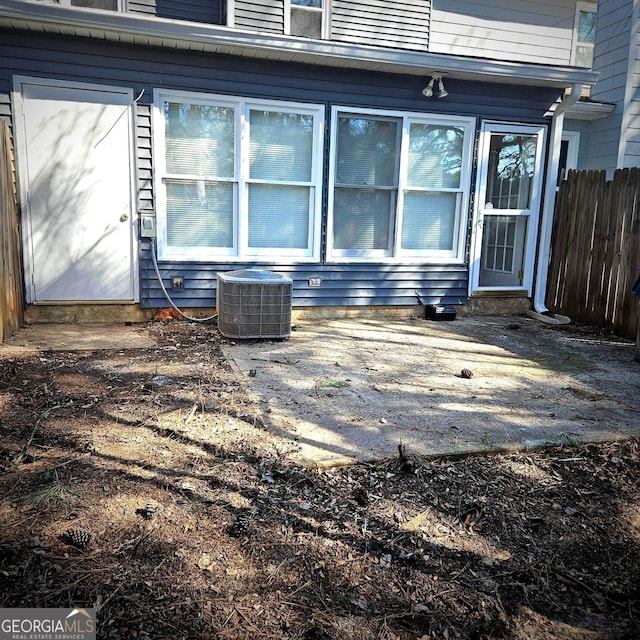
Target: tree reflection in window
{"points": [[511, 168]]}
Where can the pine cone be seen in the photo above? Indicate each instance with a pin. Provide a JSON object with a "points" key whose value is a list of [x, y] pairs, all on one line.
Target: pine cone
{"points": [[150, 510], [241, 525], [362, 496], [80, 538]]}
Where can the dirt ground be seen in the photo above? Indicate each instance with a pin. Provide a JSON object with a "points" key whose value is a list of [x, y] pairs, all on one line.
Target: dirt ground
{"points": [[145, 482]]}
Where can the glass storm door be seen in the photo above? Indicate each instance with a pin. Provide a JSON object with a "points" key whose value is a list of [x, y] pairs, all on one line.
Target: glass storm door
{"points": [[508, 200]]}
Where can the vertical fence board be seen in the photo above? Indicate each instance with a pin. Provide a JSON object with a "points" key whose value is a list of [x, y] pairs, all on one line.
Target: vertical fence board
{"points": [[631, 305], [619, 217], [558, 266], [599, 275], [11, 295], [595, 250]]}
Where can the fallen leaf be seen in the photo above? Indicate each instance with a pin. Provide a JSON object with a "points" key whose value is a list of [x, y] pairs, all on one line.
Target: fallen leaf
{"points": [[416, 522]]}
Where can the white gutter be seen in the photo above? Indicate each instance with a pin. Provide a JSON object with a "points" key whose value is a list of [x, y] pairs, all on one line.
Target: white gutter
{"points": [[548, 206], [177, 34]]}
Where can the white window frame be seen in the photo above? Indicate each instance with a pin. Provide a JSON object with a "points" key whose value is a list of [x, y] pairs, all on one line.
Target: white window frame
{"points": [[240, 251], [457, 253], [325, 29]]}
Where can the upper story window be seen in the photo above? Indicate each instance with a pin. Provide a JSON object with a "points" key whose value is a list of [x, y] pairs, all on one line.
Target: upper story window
{"points": [[106, 5], [306, 18], [237, 178], [399, 186], [584, 33]]}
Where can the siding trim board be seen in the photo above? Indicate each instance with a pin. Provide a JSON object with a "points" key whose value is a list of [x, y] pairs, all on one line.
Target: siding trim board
{"points": [[152, 31]]}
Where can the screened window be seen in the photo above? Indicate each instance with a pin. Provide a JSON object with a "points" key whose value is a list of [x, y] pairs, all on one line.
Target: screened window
{"points": [[237, 179], [280, 179], [584, 33], [399, 186], [366, 184], [199, 155]]}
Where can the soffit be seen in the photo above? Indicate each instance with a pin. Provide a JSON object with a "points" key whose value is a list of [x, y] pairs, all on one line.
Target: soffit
{"points": [[589, 110]]}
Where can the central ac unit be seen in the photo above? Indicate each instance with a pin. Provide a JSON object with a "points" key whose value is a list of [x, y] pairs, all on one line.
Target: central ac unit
{"points": [[252, 303]]}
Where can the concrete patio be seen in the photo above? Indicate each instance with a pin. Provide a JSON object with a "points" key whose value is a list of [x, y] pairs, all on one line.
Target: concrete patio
{"points": [[350, 390], [341, 391]]}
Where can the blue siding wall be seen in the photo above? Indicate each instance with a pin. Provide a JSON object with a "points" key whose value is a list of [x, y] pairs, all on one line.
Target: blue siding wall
{"points": [[207, 11], [356, 284], [145, 68]]}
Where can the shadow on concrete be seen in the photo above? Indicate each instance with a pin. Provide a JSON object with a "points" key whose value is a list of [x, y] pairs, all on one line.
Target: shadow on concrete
{"points": [[353, 390]]}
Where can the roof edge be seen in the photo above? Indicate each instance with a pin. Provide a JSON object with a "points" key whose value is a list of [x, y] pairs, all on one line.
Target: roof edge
{"points": [[590, 110], [155, 31]]}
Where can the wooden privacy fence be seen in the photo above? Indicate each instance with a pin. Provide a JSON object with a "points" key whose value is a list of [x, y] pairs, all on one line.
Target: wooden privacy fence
{"points": [[11, 298], [595, 250]]}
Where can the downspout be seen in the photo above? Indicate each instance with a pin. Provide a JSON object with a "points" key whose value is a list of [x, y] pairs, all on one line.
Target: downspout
{"points": [[546, 225]]}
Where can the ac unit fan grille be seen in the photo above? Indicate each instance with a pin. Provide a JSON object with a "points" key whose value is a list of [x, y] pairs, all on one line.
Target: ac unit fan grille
{"points": [[254, 309]]}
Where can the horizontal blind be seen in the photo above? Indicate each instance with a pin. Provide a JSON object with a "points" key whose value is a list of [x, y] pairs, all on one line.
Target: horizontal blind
{"points": [[199, 214], [281, 146], [362, 219], [199, 139], [367, 151], [428, 221], [435, 156], [278, 216]]}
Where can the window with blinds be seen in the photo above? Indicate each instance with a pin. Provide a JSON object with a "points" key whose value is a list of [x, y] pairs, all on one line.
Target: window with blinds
{"points": [[237, 178], [399, 185]]}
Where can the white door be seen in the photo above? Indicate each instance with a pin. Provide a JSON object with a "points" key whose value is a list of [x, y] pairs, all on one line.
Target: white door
{"points": [[75, 173], [508, 200]]}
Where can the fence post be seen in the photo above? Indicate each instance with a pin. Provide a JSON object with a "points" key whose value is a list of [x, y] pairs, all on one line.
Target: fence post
{"points": [[11, 298]]}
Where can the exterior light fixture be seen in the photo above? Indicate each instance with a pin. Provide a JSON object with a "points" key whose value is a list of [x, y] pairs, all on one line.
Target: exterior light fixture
{"points": [[436, 76], [427, 92], [442, 92]]}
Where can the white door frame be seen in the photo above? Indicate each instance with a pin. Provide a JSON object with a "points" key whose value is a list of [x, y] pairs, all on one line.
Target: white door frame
{"points": [[22, 181], [480, 209], [572, 138]]}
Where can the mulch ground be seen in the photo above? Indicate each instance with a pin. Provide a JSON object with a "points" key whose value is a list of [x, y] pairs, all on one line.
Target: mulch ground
{"points": [[143, 483]]}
